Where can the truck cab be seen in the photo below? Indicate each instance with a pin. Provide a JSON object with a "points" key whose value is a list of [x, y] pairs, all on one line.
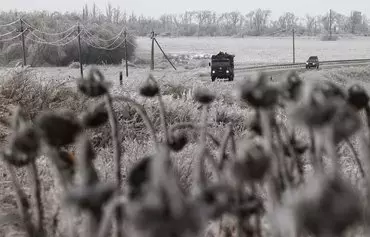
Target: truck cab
{"points": [[222, 66]]}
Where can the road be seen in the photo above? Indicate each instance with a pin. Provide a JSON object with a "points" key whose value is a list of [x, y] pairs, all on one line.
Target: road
{"points": [[277, 72]]}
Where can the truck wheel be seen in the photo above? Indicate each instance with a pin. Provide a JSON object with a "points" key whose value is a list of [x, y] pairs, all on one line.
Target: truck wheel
{"points": [[213, 78], [231, 78], [317, 67]]}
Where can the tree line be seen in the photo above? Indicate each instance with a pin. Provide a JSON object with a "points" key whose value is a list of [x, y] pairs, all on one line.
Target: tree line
{"points": [[209, 23], [254, 23]]}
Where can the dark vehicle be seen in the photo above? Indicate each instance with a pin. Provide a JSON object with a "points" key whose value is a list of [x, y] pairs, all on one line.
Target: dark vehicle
{"points": [[312, 61], [222, 66]]}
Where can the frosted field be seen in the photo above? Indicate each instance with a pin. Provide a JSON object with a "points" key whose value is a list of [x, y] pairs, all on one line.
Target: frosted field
{"points": [[262, 49]]}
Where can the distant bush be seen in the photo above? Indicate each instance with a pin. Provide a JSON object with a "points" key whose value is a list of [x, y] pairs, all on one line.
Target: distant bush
{"points": [[329, 38]]}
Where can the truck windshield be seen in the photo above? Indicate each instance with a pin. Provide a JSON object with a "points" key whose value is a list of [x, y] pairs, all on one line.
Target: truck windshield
{"points": [[218, 62]]}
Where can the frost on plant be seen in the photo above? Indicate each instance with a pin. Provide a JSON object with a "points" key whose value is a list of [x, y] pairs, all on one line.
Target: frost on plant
{"points": [[244, 180]]}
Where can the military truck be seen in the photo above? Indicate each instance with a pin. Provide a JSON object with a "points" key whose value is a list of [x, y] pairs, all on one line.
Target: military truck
{"points": [[222, 66]]}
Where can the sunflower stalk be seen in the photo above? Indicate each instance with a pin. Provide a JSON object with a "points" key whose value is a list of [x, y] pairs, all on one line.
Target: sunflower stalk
{"points": [[197, 127], [268, 147], [162, 109], [36, 190], [117, 154], [142, 112], [199, 172], [357, 158], [294, 155], [22, 202], [109, 212], [222, 149]]}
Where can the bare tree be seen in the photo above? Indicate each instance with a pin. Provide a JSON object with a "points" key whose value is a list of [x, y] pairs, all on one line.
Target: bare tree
{"points": [[236, 19], [356, 22], [94, 13], [310, 24], [201, 17], [116, 14], [260, 19], [109, 12], [287, 21]]}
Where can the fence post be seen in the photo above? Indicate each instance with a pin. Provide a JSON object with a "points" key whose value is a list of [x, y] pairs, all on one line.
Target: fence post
{"points": [[23, 45], [79, 49], [126, 53], [293, 45], [152, 53]]}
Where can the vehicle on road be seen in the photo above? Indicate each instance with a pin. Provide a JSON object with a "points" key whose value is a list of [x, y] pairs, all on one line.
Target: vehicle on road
{"points": [[313, 61], [222, 66]]}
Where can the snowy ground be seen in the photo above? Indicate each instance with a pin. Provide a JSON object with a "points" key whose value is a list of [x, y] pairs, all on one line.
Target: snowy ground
{"points": [[253, 50]]}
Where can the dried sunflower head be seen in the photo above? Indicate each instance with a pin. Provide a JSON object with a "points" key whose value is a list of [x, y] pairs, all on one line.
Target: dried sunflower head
{"points": [[86, 169], [65, 162], [149, 88], [92, 197], [24, 146], [249, 204], [346, 122], [177, 141], [358, 97], [330, 90], [258, 93], [326, 205], [138, 176], [96, 116], [94, 85], [253, 163], [215, 200], [58, 129], [255, 123], [203, 96], [317, 105], [292, 86], [298, 146]]}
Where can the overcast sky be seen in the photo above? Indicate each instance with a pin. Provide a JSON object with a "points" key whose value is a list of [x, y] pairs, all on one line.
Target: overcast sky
{"points": [[157, 7]]}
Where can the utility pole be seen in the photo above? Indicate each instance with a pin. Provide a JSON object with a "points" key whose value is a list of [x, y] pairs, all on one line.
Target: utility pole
{"points": [[159, 46], [164, 54], [79, 49], [126, 53], [330, 24], [23, 45], [152, 54], [293, 46]]}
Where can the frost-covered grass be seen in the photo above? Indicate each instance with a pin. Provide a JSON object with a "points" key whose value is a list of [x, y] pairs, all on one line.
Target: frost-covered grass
{"points": [[177, 88]]}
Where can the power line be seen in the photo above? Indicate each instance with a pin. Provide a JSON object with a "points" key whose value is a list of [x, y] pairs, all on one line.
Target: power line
{"points": [[48, 43], [132, 44], [48, 33], [103, 40], [13, 38], [91, 39], [10, 24], [103, 48], [8, 33], [43, 40]]}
